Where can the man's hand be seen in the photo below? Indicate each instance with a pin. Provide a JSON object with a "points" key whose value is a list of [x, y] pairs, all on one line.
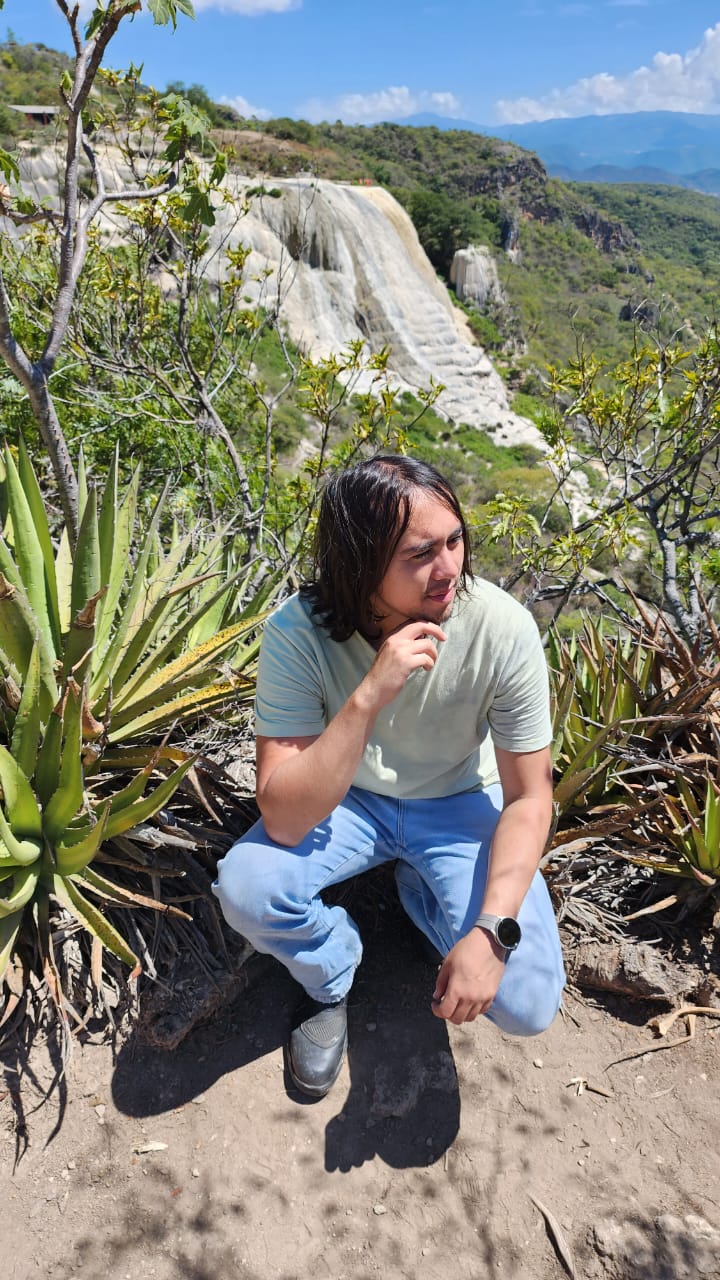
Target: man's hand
{"points": [[469, 978], [406, 649]]}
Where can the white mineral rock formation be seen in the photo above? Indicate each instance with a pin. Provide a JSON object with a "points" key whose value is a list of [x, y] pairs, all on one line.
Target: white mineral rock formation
{"points": [[474, 277], [338, 263]]}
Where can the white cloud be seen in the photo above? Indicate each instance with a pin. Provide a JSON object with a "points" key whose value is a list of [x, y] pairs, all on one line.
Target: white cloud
{"points": [[245, 108], [672, 82], [249, 8], [394, 103]]}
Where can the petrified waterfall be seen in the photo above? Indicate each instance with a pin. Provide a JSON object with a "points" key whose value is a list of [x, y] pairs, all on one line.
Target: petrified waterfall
{"points": [[346, 263], [341, 262]]}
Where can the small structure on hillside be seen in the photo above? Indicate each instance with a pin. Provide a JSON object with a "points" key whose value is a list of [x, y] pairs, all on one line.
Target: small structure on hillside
{"points": [[35, 115]]}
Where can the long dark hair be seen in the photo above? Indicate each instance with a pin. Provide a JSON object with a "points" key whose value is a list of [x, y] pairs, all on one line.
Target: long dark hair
{"points": [[364, 512]]}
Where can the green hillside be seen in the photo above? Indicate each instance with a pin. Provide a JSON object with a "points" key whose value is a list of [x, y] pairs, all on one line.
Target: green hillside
{"points": [[590, 257]]}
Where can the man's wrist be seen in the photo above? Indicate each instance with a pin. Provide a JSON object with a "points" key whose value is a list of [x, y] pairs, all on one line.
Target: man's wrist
{"points": [[505, 930]]}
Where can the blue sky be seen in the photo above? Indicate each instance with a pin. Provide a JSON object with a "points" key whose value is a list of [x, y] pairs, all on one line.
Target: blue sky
{"points": [[374, 60]]}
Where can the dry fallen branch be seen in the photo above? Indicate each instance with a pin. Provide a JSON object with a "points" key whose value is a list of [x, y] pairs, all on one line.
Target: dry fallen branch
{"points": [[557, 1236]]}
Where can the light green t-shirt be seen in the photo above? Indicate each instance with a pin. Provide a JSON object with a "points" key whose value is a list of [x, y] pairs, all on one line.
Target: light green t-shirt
{"points": [[488, 686]]}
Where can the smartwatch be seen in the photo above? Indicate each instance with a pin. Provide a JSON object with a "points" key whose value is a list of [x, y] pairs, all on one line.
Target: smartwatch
{"points": [[505, 929]]}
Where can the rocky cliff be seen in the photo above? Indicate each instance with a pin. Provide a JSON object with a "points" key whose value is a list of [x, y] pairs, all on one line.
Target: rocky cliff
{"points": [[341, 262], [346, 263]]}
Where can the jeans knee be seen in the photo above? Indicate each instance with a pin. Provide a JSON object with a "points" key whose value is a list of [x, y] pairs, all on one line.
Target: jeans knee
{"points": [[239, 890], [530, 1015]]}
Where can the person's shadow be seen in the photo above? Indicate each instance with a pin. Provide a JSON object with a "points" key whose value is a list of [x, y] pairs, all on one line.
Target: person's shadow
{"points": [[404, 1101]]}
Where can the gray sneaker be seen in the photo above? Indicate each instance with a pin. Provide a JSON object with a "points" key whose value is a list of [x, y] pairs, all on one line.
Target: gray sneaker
{"points": [[317, 1046]]}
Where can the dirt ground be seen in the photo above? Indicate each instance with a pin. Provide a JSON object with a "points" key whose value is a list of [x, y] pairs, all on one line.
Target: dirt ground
{"points": [[428, 1159]]}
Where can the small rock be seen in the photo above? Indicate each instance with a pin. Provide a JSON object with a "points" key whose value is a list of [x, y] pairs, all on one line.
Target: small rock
{"points": [[195, 1173], [379, 1208], [71, 1164], [371, 1026], [538, 1062]]}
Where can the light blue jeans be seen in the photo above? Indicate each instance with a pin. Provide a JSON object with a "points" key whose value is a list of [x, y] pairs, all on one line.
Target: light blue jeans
{"points": [[271, 895]]}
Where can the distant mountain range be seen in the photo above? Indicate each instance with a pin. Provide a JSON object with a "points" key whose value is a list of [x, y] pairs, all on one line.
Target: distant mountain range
{"points": [[647, 146]]}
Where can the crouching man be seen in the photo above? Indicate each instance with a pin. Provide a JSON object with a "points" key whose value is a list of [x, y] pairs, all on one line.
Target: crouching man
{"points": [[402, 713]]}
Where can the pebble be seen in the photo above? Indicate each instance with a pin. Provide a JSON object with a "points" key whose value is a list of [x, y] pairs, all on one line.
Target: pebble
{"points": [[538, 1062], [195, 1173], [379, 1208]]}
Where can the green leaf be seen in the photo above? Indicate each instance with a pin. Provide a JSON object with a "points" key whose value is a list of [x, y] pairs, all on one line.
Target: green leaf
{"points": [[26, 730], [28, 549], [47, 772], [67, 798], [71, 858], [93, 920], [164, 11], [36, 504], [24, 884], [21, 851], [132, 606], [20, 803], [132, 814], [9, 167]]}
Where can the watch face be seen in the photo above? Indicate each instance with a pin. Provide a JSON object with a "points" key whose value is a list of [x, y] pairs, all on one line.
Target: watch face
{"points": [[508, 933]]}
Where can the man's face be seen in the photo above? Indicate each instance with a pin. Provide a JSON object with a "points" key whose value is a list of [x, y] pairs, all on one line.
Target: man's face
{"points": [[421, 579]]}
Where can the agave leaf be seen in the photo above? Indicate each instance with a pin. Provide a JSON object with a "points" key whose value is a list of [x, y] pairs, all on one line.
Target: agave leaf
{"points": [[156, 681], [9, 927], [146, 640], [67, 798], [47, 770], [80, 640], [28, 552], [19, 632], [114, 571], [86, 562], [133, 814], [36, 503], [24, 884], [20, 803], [198, 701], [67, 893], [71, 858], [139, 756], [107, 518], [116, 893], [128, 620], [22, 851], [26, 730], [63, 579], [82, 485]]}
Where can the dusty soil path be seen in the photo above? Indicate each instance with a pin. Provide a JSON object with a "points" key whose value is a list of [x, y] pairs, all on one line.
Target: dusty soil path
{"points": [[203, 1165]]}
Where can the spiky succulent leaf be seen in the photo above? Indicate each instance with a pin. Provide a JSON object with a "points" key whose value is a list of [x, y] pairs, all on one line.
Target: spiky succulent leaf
{"points": [[26, 730], [67, 893], [21, 807]]}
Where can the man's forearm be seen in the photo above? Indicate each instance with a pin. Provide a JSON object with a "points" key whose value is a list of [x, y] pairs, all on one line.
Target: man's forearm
{"points": [[517, 848], [302, 791]]}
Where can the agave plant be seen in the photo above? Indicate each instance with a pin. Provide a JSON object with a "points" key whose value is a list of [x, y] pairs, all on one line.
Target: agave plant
{"points": [[99, 651], [602, 688]]}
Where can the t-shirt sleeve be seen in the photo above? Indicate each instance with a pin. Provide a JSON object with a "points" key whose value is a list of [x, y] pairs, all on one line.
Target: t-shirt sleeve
{"points": [[289, 699], [519, 716]]}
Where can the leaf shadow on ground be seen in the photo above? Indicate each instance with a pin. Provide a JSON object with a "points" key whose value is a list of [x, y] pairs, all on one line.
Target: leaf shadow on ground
{"points": [[404, 1099]]}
